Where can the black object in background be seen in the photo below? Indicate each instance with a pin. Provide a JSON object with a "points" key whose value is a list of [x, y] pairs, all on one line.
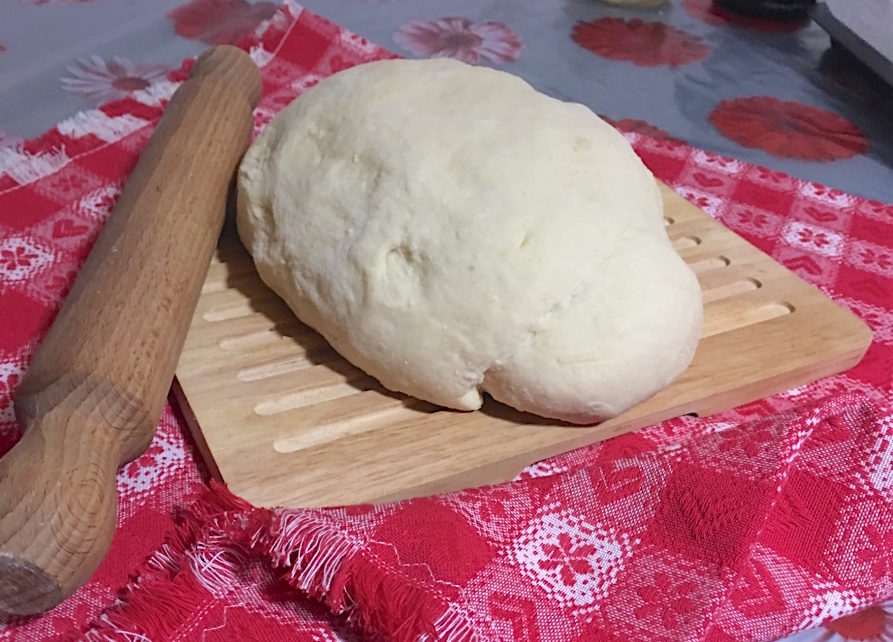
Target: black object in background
{"points": [[769, 9]]}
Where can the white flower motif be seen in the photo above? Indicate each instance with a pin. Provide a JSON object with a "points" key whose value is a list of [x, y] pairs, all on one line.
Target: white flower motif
{"points": [[21, 258], [163, 456], [460, 38], [571, 560], [102, 80]]}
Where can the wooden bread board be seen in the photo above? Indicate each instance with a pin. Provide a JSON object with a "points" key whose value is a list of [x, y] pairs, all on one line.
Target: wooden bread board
{"points": [[285, 421]]}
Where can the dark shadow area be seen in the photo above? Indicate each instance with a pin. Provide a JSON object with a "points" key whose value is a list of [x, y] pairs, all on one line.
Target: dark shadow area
{"points": [[497, 410], [242, 277]]}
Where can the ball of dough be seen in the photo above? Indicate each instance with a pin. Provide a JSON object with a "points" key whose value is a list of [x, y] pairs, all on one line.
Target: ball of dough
{"points": [[450, 231]]}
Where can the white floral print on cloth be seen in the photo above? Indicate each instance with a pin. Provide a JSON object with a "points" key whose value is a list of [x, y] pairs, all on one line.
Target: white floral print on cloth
{"points": [[460, 38], [102, 80]]}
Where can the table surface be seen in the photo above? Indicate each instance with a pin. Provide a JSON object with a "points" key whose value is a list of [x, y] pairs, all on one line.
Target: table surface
{"points": [[774, 95]]}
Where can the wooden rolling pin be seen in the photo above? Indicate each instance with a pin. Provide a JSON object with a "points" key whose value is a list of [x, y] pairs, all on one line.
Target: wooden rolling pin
{"points": [[95, 391]]}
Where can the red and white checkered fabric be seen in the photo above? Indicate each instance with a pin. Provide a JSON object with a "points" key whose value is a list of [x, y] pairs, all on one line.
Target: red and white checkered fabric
{"points": [[750, 525]]}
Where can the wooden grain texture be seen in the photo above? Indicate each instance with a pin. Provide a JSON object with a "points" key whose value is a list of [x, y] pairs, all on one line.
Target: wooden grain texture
{"points": [[286, 421], [94, 393]]}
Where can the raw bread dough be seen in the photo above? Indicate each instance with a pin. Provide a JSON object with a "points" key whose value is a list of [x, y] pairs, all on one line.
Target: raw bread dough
{"points": [[450, 230]]}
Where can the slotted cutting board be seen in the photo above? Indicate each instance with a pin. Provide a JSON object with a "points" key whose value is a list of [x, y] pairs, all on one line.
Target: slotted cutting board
{"points": [[284, 420]]}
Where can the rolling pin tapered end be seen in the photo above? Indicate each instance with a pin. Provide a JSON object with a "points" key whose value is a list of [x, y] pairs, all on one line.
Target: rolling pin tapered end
{"points": [[232, 66], [26, 589]]}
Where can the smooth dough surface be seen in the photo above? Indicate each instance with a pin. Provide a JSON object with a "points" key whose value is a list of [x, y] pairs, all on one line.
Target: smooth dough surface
{"points": [[450, 230]]}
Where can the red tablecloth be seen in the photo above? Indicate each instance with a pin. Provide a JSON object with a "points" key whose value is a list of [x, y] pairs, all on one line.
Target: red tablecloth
{"points": [[750, 525]]}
